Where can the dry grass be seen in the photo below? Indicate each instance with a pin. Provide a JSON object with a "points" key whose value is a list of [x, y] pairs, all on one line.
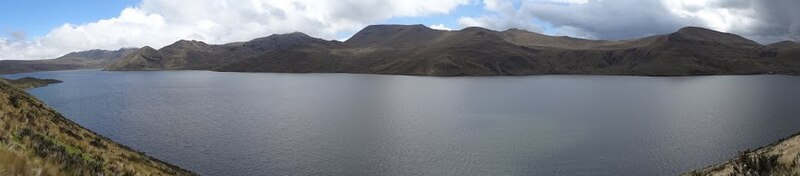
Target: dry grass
{"points": [[780, 158], [14, 164], [36, 140]]}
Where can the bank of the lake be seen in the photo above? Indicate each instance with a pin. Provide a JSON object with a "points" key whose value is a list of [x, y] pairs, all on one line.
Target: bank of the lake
{"points": [[779, 158], [344, 124], [36, 140]]}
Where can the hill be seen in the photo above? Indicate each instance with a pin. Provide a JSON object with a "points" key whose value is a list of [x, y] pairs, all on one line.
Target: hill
{"points": [[36, 140], [91, 59], [196, 55], [419, 50]]}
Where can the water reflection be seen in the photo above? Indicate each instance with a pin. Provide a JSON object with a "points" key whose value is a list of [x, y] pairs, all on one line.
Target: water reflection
{"points": [[342, 124]]}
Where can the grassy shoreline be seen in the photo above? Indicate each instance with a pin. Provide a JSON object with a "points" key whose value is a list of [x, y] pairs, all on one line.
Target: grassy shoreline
{"points": [[779, 158], [36, 140]]}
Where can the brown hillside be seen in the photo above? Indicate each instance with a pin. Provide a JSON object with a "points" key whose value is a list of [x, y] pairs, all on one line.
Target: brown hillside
{"points": [[419, 50], [35, 140]]}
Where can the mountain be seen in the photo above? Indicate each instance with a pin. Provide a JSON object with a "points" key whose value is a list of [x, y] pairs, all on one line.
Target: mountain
{"points": [[785, 45], [779, 158], [36, 140], [196, 55], [419, 50], [75, 60]]}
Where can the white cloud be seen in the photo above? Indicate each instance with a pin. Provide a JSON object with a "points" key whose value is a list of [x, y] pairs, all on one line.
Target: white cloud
{"points": [[571, 1], [158, 23], [440, 27], [503, 15], [712, 15]]}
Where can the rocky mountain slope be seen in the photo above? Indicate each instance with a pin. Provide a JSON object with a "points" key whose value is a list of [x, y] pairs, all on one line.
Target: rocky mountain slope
{"points": [[75, 60], [419, 50], [780, 158], [196, 55], [36, 140]]}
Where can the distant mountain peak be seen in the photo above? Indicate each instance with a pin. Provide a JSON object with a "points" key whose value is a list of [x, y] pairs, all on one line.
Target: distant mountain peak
{"points": [[102, 50], [287, 35], [189, 42], [520, 30], [474, 28], [95, 55], [297, 33], [392, 28], [275, 40], [785, 44], [147, 48], [145, 51], [708, 35], [186, 44], [694, 29], [388, 33], [395, 26]]}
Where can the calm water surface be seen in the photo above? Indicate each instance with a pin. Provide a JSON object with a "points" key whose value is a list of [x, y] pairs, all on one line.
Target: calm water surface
{"points": [[343, 124]]}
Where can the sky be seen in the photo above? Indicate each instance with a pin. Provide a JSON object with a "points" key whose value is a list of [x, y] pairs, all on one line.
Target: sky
{"points": [[46, 29]]}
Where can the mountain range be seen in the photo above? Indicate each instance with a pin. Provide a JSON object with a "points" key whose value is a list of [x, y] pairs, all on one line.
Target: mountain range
{"points": [[419, 50], [473, 51], [91, 59]]}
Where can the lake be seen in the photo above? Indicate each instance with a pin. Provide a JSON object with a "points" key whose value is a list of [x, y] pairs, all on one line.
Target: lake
{"points": [[348, 124]]}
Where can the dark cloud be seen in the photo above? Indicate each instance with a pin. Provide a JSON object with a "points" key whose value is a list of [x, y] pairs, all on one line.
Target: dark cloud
{"points": [[777, 20], [765, 21], [14, 36], [18, 35], [609, 19]]}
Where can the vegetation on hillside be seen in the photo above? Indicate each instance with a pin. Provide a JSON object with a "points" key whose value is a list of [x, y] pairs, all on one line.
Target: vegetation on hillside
{"points": [[36, 140], [780, 158]]}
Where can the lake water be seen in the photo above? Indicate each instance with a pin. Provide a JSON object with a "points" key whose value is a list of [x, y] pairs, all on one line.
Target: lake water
{"points": [[345, 124]]}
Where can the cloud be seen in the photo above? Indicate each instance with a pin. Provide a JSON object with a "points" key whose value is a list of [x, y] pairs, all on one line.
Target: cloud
{"points": [[596, 19], [503, 15], [763, 21], [440, 27], [772, 21], [607, 19], [158, 23], [18, 35]]}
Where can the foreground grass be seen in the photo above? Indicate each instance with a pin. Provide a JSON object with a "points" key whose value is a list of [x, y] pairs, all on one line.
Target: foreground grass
{"points": [[780, 158], [35, 140]]}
